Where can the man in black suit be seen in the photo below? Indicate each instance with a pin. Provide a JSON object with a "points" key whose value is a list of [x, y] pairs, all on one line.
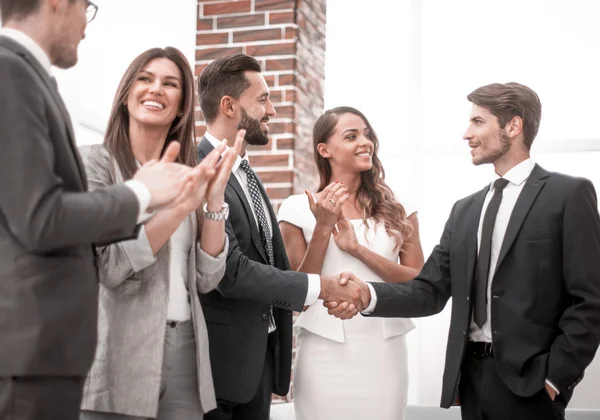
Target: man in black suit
{"points": [[520, 261], [249, 317], [48, 220]]}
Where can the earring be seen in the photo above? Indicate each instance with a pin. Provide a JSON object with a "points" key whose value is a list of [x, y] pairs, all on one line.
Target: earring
{"points": [[180, 114]]}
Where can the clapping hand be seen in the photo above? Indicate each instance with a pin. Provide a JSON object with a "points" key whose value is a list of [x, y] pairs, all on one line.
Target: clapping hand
{"points": [[344, 309], [214, 170], [164, 179], [344, 235], [215, 194], [327, 208]]}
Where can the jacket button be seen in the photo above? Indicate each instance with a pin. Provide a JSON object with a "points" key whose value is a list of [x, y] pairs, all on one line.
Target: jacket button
{"points": [[265, 317], [464, 333]]}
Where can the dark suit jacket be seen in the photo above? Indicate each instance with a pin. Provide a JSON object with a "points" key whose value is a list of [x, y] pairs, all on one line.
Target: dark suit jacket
{"points": [[48, 223], [545, 293], [237, 314]]}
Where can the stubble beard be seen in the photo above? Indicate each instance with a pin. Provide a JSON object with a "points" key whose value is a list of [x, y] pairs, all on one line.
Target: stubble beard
{"points": [[495, 154]]}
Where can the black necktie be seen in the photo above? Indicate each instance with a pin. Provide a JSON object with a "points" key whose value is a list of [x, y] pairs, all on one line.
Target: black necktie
{"points": [[265, 232], [485, 252]]}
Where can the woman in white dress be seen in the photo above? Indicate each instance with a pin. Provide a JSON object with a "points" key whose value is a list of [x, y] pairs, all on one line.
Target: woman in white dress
{"points": [[357, 368]]}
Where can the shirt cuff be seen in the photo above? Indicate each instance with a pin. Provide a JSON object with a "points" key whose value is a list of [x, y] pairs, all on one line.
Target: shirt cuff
{"points": [[373, 302], [314, 289], [143, 196], [552, 386]]}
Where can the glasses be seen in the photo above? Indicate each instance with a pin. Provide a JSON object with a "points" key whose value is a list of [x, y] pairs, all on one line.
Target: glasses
{"points": [[91, 11]]}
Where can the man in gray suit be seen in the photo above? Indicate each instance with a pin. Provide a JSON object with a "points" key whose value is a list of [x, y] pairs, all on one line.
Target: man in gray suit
{"points": [[48, 221]]}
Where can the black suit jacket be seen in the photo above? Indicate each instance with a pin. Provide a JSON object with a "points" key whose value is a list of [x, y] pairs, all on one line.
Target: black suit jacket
{"points": [[237, 313], [545, 310], [48, 223]]}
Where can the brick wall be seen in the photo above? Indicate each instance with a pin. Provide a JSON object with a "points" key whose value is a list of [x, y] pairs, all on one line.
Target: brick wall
{"points": [[288, 38]]}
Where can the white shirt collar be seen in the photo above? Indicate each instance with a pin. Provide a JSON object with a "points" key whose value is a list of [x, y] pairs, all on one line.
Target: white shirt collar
{"points": [[517, 174], [215, 143], [30, 45]]}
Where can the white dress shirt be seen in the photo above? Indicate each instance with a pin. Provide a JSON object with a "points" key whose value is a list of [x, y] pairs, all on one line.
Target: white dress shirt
{"points": [[140, 190], [516, 178], [314, 280]]}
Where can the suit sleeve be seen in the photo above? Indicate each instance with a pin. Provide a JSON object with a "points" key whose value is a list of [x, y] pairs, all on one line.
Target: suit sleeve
{"points": [[579, 327], [39, 212], [426, 294], [118, 261], [252, 280]]}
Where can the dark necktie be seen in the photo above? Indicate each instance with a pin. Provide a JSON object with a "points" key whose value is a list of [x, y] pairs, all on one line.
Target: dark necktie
{"points": [[265, 232], [485, 253]]}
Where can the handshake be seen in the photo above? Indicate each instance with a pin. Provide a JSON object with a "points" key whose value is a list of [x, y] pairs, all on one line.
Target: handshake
{"points": [[344, 295]]}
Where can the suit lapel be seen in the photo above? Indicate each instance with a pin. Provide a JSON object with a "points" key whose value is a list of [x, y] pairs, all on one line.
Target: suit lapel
{"points": [[46, 81], [473, 226], [204, 148], [531, 189], [256, 239]]}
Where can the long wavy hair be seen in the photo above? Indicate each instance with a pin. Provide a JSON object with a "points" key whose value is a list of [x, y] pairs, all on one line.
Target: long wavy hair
{"points": [[374, 196], [116, 139]]}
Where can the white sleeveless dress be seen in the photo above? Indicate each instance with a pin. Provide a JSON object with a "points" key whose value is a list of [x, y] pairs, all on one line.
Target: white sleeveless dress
{"points": [[354, 369]]}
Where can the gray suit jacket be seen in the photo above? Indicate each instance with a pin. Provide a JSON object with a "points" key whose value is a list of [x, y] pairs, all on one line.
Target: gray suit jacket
{"points": [[134, 292], [48, 223]]}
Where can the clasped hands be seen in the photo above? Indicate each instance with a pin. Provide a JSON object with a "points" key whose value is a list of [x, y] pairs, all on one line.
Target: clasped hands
{"points": [[175, 185], [345, 295]]}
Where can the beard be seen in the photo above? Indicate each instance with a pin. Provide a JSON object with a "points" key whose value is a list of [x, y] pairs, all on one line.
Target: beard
{"points": [[495, 154], [255, 135]]}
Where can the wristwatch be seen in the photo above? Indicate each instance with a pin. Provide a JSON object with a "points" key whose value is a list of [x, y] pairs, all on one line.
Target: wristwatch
{"points": [[216, 215]]}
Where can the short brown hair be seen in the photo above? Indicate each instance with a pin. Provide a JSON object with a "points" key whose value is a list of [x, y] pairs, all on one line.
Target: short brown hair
{"points": [[508, 100], [224, 77], [19, 9]]}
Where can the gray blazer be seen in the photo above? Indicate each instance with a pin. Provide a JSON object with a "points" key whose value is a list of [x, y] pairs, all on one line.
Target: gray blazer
{"points": [[134, 291], [48, 223]]}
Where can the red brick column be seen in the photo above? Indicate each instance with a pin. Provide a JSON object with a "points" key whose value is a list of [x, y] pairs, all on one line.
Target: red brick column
{"points": [[288, 38]]}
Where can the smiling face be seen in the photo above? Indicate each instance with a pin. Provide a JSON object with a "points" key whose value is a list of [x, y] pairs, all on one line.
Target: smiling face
{"points": [[255, 109], [349, 147], [155, 97], [487, 140]]}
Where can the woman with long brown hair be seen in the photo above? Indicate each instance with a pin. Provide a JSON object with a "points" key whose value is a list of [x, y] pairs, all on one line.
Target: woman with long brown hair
{"points": [[356, 368], [152, 359]]}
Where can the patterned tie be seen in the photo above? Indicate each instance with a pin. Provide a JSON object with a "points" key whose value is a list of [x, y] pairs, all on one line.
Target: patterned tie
{"points": [[485, 253], [265, 232]]}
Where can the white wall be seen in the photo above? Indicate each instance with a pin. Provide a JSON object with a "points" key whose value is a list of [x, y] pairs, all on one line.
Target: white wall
{"points": [[121, 30], [409, 65]]}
